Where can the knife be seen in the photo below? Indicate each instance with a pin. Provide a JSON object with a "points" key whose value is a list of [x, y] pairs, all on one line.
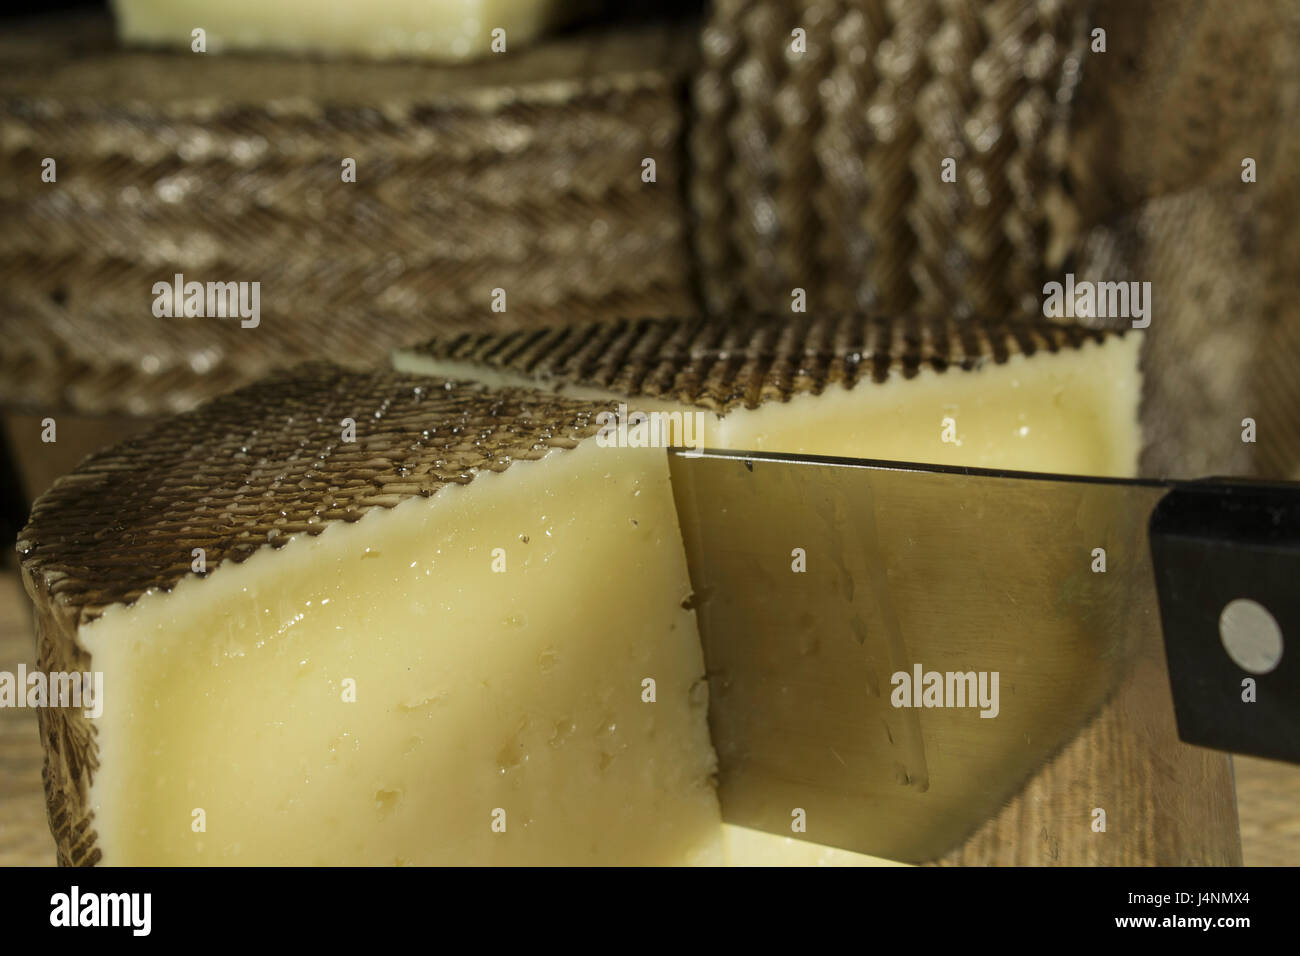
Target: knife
{"points": [[896, 648]]}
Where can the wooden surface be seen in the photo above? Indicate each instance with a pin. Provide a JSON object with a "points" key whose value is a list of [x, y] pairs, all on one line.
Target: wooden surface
{"points": [[1268, 793], [1165, 803], [24, 835]]}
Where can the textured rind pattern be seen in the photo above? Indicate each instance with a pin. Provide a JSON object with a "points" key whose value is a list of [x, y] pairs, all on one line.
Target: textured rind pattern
{"points": [[721, 364], [820, 169], [521, 173], [67, 737], [268, 462]]}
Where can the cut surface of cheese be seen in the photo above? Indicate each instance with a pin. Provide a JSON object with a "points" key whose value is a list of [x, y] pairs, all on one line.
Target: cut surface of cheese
{"points": [[382, 29], [461, 637]]}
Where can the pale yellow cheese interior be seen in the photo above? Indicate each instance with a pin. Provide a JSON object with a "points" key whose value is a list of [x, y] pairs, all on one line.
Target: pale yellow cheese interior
{"points": [[434, 29], [1070, 413], [476, 690], [479, 691], [742, 846]]}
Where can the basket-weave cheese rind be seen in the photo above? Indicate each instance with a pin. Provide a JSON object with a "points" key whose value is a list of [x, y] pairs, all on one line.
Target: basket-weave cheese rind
{"points": [[262, 464], [723, 364]]}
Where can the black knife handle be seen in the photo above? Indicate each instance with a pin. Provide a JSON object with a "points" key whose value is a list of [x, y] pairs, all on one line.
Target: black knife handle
{"points": [[1226, 554]]}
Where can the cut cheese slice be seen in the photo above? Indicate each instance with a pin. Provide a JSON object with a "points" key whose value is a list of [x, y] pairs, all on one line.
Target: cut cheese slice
{"points": [[382, 29], [461, 638]]}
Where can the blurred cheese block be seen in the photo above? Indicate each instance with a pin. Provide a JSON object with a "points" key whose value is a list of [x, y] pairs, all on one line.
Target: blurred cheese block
{"points": [[520, 172], [447, 30]]}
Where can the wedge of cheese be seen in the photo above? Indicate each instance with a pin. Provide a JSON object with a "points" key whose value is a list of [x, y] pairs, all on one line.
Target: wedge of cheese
{"points": [[385, 618], [425, 645], [383, 29], [1028, 397]]}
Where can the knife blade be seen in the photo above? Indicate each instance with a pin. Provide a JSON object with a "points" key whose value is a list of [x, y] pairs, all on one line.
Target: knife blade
{"points": [[894, 649]]}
